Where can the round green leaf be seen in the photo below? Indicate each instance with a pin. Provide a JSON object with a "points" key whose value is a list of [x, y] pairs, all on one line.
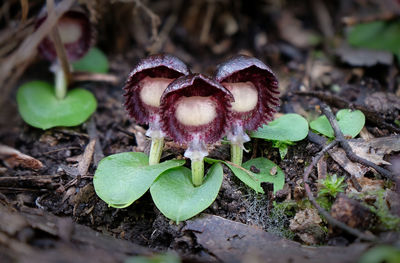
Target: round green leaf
{"points": [[322, 125], [94, 61], [177, 198], [289, 127], [40, 108], [350, 123], [122, 178]]}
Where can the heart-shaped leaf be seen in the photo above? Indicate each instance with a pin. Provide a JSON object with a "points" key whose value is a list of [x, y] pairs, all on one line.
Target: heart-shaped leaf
{"points": [[122, 178], [94, 61], [290, 127], [40, 108], [350, 123], [177, 198]]}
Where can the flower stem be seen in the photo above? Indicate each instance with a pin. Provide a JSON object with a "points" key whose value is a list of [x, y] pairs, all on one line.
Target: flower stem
{"points": [[197, 172], [236, 154], [61, 83], [157, 145], [238, 136], [62, 71]]}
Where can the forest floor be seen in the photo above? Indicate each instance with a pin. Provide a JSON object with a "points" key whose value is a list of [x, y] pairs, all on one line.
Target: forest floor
{"points": [[53, 212]]}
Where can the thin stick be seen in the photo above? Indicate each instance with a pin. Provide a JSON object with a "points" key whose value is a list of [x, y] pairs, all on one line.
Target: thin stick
{"points": [[101, 77], [322, 211]]}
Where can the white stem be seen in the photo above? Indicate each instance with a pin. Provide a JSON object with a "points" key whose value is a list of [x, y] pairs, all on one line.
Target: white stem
{"points": [[60, 83], [237, 135], [157, 140], [155, 131], [197, 149]]}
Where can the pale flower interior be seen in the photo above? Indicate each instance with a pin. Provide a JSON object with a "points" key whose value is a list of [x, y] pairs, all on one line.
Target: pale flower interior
{"points": [[195, 111], [70, 31], [245, 95], [152, 89]]}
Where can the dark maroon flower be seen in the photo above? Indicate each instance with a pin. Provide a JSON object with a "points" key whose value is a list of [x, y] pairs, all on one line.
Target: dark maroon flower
{"points": [[143, 89], [255, 90], [254, 87], [195, 110], [146, 83], [75, 32]]}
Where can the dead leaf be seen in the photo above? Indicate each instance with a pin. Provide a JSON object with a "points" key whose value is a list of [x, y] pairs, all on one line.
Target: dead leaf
{"points": [[363, 57], [352, 213], [231, 241], [306, 224], [383, 101], [84, 163], [373, 150], [13, 158], [367, 185]]}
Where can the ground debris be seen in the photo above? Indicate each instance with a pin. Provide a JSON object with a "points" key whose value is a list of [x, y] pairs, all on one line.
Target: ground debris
{"points": [[372, 150], [231, 241], [84, 163], [307, 225], [14, 158], [22, 234], [363, 57], [352, 213]]}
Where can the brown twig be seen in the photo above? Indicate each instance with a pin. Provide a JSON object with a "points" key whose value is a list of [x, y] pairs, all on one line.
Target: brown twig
{"points": [[352, 20], [164, 33], [101, 77], [25, 9], [322, 211], [205, 30], [154, 18], [347, 148]]}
